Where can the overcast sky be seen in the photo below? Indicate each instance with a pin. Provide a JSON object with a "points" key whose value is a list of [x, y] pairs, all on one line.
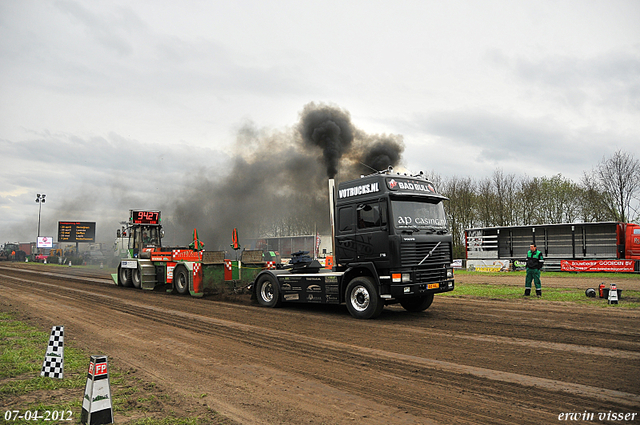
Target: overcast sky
{"points": [[111, 105]]}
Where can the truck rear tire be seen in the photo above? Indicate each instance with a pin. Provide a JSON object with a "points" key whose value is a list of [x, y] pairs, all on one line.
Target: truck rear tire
{"points": [[268, 291], [181, 280], [136, 277], [418, 304], [362, 299], [124, 277]]}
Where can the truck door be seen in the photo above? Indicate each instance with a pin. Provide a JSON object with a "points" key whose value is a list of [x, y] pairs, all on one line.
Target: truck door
{"points": [[345, 234], [372, 231]]}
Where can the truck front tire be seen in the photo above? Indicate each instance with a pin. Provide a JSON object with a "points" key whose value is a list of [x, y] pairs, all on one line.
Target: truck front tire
{"points": [[362, 299], [267, 291], [418, 304]]}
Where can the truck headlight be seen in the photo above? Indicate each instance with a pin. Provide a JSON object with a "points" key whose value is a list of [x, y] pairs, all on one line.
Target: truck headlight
{"points": [[449, 273], [401, 277]]}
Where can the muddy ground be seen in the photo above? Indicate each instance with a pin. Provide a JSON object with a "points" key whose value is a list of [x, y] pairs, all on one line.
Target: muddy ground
{"points": [[464, 360]]}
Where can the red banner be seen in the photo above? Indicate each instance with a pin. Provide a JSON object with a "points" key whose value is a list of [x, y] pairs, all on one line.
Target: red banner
{"points": [[597, 265]]}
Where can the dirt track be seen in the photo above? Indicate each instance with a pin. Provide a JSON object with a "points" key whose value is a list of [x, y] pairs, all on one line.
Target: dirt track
{"points": [[461, 361]]}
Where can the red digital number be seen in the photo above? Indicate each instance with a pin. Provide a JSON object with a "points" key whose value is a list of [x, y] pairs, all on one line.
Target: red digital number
{"points": [[150, 217]]}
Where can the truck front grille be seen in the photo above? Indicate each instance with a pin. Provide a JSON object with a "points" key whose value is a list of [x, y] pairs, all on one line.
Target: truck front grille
{"points": [[413, 252], [430, 275]]}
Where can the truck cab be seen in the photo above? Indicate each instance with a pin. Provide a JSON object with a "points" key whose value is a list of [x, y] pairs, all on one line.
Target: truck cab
{"points": [[397, 224]]}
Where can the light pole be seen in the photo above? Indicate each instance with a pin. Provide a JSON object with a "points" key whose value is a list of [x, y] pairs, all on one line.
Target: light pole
{"points": [[39, 200]]}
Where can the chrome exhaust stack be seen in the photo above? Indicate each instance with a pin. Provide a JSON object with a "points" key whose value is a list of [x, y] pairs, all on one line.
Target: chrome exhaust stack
{"points": [[332, 191]]}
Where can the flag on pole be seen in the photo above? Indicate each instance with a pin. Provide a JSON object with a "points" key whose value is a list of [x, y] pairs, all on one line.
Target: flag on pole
{"points": [[234, 238]]}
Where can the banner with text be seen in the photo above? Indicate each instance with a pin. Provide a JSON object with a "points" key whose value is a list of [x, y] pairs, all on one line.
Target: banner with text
{"points": [[488, 265], [597, 265]]}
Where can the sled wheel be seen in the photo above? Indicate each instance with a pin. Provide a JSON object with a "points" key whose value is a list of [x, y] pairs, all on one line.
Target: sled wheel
{"points": [[181, 280]]}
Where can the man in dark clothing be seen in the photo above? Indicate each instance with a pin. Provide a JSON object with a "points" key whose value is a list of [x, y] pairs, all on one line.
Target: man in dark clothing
{"points": [[534, 264]]}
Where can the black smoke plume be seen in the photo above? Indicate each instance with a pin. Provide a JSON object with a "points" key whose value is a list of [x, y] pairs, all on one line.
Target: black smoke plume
{"points": [[328, 128], [276, 184], [376, 152]]}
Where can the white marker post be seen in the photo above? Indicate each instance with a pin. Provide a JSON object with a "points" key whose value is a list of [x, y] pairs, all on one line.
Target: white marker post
{"points": [[96, 404]]}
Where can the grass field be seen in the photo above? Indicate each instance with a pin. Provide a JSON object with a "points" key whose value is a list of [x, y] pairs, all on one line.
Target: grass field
{"points": [[22, 350]]}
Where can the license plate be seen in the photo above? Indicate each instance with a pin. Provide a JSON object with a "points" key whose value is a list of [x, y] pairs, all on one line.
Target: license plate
{"points": [[433, 286]]}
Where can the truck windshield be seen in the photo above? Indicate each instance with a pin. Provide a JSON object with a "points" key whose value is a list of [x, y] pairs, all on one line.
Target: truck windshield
{"points": [[421, 215]]}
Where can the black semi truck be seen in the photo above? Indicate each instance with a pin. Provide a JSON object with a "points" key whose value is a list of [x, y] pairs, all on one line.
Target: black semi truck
{"points": [[391, 244]]}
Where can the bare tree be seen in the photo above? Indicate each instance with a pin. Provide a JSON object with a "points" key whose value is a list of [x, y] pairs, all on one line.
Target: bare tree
{"points": [[529, 195], [461, 209], [619, 179], [559, 201], [593, 204], [486, 203], [505, 198]]}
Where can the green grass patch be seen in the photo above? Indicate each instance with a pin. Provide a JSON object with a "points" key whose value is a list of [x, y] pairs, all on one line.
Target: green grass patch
{"points": [[630, 299], [22, 351], [607, 277]]}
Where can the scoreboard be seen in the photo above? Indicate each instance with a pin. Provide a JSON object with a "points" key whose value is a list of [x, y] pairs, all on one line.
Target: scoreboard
{"points": [[76, 231], [145, 217]]}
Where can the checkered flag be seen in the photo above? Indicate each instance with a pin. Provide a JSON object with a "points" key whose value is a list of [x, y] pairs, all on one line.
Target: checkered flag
{"points": [[53, 365]]}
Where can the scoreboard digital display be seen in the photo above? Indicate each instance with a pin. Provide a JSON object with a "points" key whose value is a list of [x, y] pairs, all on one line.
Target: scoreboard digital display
{"points": [[145, 217], [76, 231]]}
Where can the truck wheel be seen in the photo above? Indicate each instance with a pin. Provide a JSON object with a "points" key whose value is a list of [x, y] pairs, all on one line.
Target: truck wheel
{"points": [[124, 277], [268, 292], [362, 299], [181, 280], [418, 304], [136, 278]]}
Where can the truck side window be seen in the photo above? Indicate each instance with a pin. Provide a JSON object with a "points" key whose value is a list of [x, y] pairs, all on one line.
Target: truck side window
{"points": [[369, 215], [345, 219]]}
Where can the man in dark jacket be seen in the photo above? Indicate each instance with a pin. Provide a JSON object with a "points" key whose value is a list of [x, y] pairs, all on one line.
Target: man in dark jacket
{"points": [[534, 264]]}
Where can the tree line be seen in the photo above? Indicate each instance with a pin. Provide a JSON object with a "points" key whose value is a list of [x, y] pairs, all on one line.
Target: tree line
{"points": [[609, 192]]}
